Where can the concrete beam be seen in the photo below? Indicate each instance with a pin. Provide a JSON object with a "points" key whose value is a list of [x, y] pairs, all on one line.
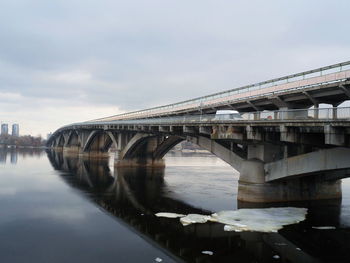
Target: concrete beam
{"points": [[230, 106], [253, 106], [312, 99], [345, 90], [230, 132], [205, 130], [265, 152], [164, 128], [334, 135], [308, 164], [145, 128], [288, 134], [220, 151], [280, 103], [189, 129], [253, 133]]}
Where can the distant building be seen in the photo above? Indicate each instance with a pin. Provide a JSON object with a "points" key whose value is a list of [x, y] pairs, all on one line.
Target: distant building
{"points": [[15, 130], [4, 129]]}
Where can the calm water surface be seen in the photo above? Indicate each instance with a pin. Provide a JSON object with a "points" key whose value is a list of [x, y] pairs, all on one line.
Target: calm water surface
{"points": [[64, 209]]}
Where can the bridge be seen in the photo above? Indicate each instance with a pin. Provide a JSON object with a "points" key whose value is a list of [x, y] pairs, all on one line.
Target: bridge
{"points": [[286, 146]]}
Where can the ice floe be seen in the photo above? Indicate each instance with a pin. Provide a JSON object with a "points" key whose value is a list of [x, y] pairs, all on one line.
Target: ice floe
{"points": [[194, 218], [255, 219], [208, 252], [261, 220], [169, 215], [324, 227]]}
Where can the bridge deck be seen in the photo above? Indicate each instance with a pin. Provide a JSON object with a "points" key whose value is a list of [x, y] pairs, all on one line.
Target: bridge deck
{"points": [[333, 79]]}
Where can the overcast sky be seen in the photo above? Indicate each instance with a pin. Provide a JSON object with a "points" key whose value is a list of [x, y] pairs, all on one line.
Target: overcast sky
{"points": [[69, 61]]}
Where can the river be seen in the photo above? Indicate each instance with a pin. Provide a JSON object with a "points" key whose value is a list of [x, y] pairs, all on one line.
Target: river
{"points": [[55, 208]]}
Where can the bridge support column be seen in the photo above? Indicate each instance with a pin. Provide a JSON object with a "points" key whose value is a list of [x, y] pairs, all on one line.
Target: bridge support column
{"points": [[139, 151], [316, 111], [254, 187], [95, 145]]}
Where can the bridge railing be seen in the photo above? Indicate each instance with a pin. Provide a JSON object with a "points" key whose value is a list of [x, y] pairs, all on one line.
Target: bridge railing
{"points": [[337, 113], [312, 114], [324, 75]]}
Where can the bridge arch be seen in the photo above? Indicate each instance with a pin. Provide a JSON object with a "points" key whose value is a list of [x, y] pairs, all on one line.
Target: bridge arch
{"points": [[60, 141], [144, 148], [100, 141], [164, 147], [73, 139]]}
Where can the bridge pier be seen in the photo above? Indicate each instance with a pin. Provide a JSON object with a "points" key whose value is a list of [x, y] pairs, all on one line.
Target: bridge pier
{"points": [[254, 185], [140, 150], [253, 188]]}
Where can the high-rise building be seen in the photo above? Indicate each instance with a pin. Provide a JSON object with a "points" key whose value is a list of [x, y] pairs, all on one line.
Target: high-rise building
{"points": [[15, 130], [4, 129]]}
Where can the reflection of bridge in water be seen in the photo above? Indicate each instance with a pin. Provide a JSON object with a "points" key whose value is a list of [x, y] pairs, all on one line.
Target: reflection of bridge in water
{"points": [[133, 195]]}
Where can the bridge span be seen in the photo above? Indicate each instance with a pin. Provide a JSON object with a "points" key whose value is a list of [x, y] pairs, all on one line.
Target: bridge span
{"points": [[285, 146]]}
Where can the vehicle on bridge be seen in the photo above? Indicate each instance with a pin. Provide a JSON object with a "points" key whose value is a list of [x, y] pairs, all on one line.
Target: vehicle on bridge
{"points": [[227, 115]]}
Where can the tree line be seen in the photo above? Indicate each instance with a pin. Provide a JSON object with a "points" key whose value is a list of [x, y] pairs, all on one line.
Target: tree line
{"points": [[25, 140]]}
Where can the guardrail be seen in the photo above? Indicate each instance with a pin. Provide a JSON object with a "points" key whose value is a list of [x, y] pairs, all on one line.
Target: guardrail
{"points": [[326, 114], [309, 78]]}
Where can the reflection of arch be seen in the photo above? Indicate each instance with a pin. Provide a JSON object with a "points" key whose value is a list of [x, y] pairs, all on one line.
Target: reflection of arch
{"points": [[56, 159], [131, 196]]}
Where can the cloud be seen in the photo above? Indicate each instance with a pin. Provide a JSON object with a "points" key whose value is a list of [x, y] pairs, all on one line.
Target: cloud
{"points": [[111, 56]]}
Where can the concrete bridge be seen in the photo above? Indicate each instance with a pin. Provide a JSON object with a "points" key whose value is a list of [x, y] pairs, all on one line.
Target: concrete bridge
{"points": [[286, 147]]}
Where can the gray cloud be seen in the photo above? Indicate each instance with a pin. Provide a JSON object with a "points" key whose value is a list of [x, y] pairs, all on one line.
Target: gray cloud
{"points": [[125, 55]]}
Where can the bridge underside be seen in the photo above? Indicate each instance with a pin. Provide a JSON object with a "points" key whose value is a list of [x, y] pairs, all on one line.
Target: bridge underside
{"points": [[275, 163]]}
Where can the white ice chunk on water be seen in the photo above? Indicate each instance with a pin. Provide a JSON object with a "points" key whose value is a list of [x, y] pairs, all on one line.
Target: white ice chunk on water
{"points": [[169, 215], [234, 228], [260, 220], [194, 218], [324, 227], [208, 252], [158, 260]]}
